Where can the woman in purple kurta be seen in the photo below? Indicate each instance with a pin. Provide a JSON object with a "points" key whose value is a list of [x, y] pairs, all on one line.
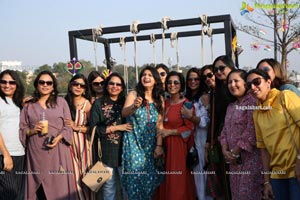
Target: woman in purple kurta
{"points": [[49, 166], [239, 143]]}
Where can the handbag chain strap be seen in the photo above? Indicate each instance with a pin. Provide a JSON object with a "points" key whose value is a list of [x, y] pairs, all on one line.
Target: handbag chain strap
{"points": [[99, 143], [288, 125]]}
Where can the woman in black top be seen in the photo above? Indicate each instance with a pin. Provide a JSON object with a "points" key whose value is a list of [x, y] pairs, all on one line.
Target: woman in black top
{"points": [[106, 116]]}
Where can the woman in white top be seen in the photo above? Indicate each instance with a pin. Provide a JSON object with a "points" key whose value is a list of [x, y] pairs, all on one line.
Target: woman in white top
{"points": [[11, 150]]}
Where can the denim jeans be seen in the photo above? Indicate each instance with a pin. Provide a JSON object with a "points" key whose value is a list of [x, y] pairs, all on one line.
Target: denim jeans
{"points": [[286, 189], [109, 188]]}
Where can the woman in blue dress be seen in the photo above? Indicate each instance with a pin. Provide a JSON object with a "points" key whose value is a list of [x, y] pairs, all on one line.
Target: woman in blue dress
{"points": [[143, 109]]}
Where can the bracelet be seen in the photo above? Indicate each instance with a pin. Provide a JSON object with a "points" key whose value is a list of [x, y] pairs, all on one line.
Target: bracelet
{"points": [[159, 145], [233, 154], [266, 183]]}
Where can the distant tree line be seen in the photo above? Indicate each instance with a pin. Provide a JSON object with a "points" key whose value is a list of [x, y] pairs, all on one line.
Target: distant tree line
{"points": [[63, 76]]}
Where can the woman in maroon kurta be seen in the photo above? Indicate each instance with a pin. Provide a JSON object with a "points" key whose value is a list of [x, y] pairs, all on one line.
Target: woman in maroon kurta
{"points": [[177, 134], [49, 166]]}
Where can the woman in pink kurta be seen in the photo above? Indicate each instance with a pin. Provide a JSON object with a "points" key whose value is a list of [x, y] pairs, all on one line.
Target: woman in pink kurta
{"points": [[239, 143], [49, 166]]}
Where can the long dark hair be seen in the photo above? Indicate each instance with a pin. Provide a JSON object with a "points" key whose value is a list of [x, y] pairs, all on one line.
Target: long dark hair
{"points": [[92, 76], [163, 66], [70, 96], [157, 92], [207, 89], [20, 90], [121, 97], [52, 99], [188, 91]]}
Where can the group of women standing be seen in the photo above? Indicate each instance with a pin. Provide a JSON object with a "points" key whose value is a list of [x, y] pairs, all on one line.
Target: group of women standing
{"points": [[154, 121]]}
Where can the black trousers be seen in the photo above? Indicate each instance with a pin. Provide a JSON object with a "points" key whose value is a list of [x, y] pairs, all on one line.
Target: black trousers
{"points": [[12, 183]]}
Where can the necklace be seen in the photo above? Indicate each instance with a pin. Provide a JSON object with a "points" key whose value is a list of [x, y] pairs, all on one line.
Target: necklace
{"points": [[79, 102]]}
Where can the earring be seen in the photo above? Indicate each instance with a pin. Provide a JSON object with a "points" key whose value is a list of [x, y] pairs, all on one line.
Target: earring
{"points": [[53, 93]]}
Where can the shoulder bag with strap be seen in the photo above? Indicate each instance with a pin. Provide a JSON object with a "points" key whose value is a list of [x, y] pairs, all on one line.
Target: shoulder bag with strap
{"points": [[99, 173]]}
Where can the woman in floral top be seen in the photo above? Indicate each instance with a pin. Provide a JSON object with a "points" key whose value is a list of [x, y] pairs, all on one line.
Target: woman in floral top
{"points": [[106, 116], [239, 143]]}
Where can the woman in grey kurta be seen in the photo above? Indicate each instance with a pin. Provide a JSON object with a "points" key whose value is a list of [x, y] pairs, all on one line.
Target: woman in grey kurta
{"points": [[49, 166]]}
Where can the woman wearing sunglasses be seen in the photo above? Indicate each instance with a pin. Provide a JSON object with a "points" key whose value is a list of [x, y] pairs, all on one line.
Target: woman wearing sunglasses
{"points": [[278, 77], [163, 71], [219, 100], [196, 93], [238, 141], [95, 81], [143, 109], [106, 115], [78, 100], [178, 138], [277, 135], [49, 162], [12, 153]]}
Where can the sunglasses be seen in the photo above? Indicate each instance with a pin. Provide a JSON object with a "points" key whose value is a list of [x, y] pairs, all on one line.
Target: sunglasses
{"points": [[4, 82], [193, 79], [220, 68], [173, 82], [256, 82], [76, 84], [97, 84], [48, 83], [266, 69], [114, 83], [162, 73], [208, 75]]}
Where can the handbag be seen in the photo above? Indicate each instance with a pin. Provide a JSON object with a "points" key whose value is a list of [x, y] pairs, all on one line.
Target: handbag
{"points": [[192, 159], [99, 173], [213, 154], [159, 163]]}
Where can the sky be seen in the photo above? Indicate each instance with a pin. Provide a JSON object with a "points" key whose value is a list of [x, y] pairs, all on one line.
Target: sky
{"points": [[36, 32]]}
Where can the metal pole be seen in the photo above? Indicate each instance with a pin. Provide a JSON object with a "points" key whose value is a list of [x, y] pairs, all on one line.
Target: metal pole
{"points": [[275, 30]]}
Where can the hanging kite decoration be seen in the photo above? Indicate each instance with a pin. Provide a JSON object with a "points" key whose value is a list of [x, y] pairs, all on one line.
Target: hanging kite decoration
{"points": [[296, 44], [262, 32], [255, 46], [267, 48], [74, 67], [106, 73]]}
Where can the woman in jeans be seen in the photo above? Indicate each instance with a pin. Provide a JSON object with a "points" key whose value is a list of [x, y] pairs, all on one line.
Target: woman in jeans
{"points": [[106, 116], [278, 135]]}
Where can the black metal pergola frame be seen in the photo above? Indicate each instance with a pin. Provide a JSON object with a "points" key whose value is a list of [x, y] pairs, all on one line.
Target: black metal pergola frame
{"points": [[228, 30]]}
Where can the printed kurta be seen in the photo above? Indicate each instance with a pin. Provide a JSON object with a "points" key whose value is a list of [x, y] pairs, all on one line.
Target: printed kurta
{"points": [[45, 165], [81, 157], [139, 175], [238, 130]]}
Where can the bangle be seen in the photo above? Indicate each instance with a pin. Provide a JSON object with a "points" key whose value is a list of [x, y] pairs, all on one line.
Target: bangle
{"points": [[266, 183], [28, 132], [159, 145]]}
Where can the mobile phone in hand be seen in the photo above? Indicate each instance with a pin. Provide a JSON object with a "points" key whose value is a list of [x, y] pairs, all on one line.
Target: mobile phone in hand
{"points": [[188, 105]]}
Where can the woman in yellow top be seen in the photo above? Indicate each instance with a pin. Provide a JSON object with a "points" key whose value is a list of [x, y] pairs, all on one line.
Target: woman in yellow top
{"points": [[273, 136]]}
